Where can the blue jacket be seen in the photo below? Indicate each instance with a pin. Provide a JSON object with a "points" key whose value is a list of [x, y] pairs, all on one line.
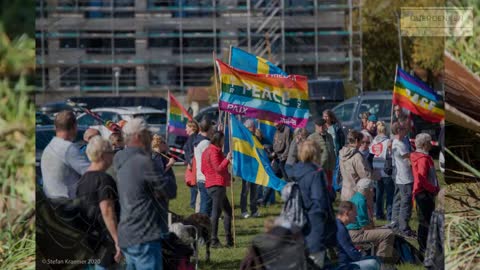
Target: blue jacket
{"points": [[313, 186], [347, 252], [188, 148]]}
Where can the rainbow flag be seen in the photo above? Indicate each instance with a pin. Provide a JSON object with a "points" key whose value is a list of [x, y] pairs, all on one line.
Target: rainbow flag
{"points": [[246, 61], [249, 153], [417, 97], [177, 117], [254, 64], [270, 97]]}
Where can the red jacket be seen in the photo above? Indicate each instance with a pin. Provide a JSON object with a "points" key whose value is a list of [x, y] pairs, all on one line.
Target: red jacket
{"points": [[215, 167], [422, 166]]}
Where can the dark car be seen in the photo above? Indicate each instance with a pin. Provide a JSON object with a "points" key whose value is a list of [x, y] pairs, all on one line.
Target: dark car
{"points": [[42, 119], [43, 136], [380, 104]]}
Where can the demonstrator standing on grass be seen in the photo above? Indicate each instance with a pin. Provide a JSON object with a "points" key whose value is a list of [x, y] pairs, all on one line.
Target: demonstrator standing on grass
{"points": [[215, 169], [192, 131], [98, 197], [139, 189], [62, 162], [425, 185], [202, 141]]}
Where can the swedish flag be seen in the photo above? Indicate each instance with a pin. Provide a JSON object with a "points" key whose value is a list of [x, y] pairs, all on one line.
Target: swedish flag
{"points": [[250, 161], [246, 61]]}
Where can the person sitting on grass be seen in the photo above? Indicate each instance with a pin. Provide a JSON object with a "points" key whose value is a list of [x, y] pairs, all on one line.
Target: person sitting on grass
{"points": [[363, 230], [348, 256]]}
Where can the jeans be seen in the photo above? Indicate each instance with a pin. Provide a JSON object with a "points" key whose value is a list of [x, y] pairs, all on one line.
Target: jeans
{"points": [[402, 206], [425, 207], [246, 188], [384, 185], [205, 200], [193, 196], [144, 256], [220, 203]]}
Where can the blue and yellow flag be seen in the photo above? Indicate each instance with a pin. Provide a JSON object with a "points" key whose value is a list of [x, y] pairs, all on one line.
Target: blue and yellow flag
{"points": [[246, 61], [250, 161]]}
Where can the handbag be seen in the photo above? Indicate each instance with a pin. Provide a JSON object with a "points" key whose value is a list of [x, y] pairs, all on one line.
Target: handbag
{"points": [[191, 175]]}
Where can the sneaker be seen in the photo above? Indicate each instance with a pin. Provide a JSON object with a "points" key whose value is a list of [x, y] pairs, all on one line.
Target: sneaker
{"points": [[216, 244], [245, 215], [256, 214]]}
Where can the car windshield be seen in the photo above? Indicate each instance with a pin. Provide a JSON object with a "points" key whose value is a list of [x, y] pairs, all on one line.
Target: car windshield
{"points": [[382, 108], [153, 118], [42, 120]]}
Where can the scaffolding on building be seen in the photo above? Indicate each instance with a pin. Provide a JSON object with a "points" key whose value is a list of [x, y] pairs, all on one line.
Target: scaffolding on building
{"points": [[114, 46]]}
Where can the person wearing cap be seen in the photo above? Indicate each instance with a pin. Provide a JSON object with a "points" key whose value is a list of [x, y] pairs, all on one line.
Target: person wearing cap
{"points": [[363, 229], [371, 127], [325, 141], [140, 188]]}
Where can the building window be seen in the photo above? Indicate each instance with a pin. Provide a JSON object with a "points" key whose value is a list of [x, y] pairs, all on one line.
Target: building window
{"points": [[98, 9], [162, 39], [306, 70], [103, 77], [197, 76], [300, 41], [69, 77], [198, 42], [163, 75]]}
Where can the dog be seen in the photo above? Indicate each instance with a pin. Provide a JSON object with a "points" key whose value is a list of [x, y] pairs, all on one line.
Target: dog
{"points": [[203, 226]]}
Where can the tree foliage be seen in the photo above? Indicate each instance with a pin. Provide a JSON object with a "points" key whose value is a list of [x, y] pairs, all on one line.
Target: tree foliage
{"points": [[18, 16], [381, 48], [17, 153]]}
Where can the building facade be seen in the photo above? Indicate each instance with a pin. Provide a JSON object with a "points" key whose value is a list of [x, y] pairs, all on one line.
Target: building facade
{"points": [[144, 47]]}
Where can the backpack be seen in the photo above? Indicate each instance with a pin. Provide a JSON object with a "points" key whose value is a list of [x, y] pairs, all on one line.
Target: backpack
{"points": [[388, 169], [293, 209]]}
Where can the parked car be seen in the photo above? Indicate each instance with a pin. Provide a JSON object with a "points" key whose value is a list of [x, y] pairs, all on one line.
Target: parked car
{"points": [[43, 136], [51, 109], [42, 119], [156, 119], [380, 104]]}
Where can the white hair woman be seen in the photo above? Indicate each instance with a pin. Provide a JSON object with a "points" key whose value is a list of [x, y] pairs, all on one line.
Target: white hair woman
{"points": [[425, 185], [98, 196]]}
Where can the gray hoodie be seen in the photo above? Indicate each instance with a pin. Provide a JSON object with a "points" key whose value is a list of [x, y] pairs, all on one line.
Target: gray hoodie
{"points": [[138, 187], [353, 168]]}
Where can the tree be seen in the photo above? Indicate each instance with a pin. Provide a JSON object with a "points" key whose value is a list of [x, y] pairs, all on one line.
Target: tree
{"points": [[381, 44], [18, 17]]}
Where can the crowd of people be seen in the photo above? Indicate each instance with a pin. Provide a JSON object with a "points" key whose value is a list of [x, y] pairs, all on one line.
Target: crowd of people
{"points": [[124, 184]]}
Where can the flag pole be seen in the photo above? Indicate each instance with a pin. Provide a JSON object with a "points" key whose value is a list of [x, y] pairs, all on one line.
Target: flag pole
{"points": [[393, 95], [214, 55], [168, 116], [231, 147], [231, 179]]}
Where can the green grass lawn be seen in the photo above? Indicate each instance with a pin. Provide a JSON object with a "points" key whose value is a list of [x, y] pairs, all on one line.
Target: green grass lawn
{"points": [[246, 229]]}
